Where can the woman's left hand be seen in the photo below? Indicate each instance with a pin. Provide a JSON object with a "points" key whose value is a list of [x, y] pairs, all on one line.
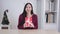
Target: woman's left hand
{"points": [[28, 24]]}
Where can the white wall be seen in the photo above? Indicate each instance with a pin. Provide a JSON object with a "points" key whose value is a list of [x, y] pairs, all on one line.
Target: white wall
{"points": [[41, 13], [0, 11], [59, 17], [15, 8]]}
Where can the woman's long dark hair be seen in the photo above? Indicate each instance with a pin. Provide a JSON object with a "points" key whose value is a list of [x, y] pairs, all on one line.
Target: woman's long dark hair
{"points": [[25, 13]]}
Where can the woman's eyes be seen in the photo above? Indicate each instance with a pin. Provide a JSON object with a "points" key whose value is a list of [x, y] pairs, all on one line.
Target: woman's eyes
{"points": [[28, 7]]}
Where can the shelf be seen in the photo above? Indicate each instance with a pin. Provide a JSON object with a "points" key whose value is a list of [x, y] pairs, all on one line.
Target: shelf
{"points": [[50, 17]]}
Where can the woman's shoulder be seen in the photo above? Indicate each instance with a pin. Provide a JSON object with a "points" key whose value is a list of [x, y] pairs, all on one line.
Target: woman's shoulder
{"points": [[34, 15], [21, 15]]}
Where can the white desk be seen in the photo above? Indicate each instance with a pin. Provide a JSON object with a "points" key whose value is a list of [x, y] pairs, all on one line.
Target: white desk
{"points": [[28, 32]]}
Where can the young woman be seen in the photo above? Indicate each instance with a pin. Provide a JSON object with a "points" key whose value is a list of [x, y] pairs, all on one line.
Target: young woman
{"points": [[28, 20]]}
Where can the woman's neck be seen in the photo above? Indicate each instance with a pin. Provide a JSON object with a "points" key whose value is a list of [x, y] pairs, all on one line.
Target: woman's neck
{"points": [[29, 15]]}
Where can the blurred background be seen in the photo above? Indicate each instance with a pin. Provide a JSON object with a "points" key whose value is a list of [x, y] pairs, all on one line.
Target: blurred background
{"points": [[46, 10]]}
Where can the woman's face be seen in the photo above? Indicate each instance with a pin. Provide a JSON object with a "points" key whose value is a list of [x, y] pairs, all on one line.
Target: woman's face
{"points": [[28, 8]]}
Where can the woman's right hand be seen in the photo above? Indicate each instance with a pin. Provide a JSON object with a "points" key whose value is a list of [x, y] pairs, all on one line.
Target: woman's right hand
{"points": [[28, 25]]}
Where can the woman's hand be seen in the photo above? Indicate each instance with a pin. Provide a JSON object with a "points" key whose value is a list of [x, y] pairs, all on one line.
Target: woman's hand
{"points": [[28, 24]]}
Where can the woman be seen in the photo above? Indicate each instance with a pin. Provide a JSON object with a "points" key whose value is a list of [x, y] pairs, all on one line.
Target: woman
{"points": [[28, 20]]}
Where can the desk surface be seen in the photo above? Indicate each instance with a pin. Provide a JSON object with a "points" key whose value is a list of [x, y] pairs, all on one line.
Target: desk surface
{"points": [[29, 32]]}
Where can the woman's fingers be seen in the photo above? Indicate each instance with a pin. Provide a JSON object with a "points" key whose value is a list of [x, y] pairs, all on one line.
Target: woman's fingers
{"points": [[28, 24]]}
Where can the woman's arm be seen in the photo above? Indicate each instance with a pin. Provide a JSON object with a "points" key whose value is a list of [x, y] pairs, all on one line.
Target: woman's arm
{"points": [[35, 22], [19, 22]]}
